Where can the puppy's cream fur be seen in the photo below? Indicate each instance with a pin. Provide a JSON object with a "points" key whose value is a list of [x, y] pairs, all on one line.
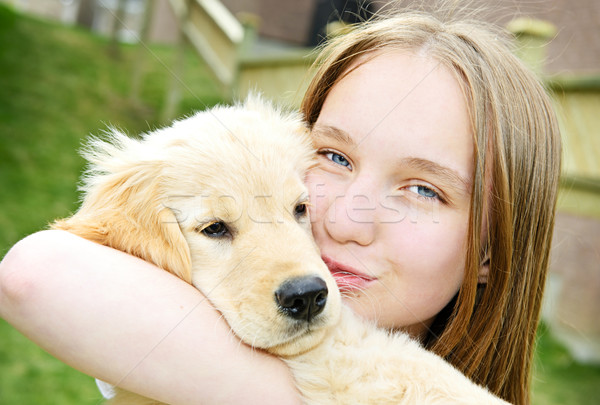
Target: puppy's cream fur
{"points": [[244, 167]]}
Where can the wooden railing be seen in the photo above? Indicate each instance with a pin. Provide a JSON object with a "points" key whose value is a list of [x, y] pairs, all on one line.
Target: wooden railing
{"points": [[237, 57]]}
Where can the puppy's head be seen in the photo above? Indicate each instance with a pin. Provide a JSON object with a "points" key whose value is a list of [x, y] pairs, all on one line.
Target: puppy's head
{"points": [[221, 199]]}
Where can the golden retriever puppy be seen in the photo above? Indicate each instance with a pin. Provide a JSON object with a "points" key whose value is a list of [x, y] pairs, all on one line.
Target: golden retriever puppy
{"points": [[218, 200]]}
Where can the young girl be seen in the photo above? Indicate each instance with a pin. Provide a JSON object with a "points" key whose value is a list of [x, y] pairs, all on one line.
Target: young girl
{"points": [[432, 202]]}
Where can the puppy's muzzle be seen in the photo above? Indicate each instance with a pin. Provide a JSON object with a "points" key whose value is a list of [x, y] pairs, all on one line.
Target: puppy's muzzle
{"points": [[302, 298]]}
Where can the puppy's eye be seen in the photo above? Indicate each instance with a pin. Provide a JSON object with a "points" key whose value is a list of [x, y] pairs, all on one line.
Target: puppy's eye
{"points": [[300, 210], [216, 229]]}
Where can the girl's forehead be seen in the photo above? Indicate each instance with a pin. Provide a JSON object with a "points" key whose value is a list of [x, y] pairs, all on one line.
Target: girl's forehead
{"points": [[407, 103]]}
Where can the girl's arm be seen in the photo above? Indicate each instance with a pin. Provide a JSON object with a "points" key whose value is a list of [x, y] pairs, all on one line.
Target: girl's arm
{"points": [[125, 321]]}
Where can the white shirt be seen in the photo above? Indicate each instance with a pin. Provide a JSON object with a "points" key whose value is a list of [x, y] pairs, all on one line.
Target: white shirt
{"points": [[107, 390]]}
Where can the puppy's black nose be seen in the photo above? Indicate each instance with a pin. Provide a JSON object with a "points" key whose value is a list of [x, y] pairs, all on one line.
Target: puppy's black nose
{"points": [[302, 298]]}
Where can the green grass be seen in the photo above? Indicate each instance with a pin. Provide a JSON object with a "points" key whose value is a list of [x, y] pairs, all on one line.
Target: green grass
{"points": [[29, 376], [558, 379], [59, 84]]}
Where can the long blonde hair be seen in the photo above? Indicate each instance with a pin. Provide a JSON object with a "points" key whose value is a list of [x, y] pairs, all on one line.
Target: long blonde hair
{"points": [[487, 331]]}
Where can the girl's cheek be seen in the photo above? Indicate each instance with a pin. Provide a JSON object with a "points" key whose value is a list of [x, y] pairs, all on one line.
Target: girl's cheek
{"points": [[319, 188], [323, 189], [316, 191]]}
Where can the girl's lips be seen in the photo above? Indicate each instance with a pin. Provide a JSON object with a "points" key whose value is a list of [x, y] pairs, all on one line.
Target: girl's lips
{"points": [[347, 278]]}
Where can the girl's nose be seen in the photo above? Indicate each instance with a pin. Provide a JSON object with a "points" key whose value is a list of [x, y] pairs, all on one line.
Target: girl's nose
{"points": [[352, 217]]}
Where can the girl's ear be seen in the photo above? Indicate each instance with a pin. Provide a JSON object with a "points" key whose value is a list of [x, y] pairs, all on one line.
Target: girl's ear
{"points": [[484, 270]]}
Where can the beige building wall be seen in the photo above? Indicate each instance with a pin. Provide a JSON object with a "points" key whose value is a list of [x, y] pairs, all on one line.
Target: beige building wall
{"points": [[576, 48]]}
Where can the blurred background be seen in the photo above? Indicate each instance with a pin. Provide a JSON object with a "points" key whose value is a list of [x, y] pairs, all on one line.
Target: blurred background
{"points": [[69, 68]]}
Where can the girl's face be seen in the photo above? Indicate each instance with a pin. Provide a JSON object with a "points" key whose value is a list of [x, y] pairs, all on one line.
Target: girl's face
{"points": [[391, 192]]}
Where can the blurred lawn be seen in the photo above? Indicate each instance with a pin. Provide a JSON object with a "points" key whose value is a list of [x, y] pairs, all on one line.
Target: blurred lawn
{"points": [[58, 84]]}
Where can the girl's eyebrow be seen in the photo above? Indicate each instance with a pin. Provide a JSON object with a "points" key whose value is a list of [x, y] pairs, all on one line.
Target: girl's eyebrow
{"points": [[444, 173], [321, 131]]}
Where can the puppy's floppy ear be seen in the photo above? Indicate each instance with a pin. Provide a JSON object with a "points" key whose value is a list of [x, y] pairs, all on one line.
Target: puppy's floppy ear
{"points": [[123, 205]]}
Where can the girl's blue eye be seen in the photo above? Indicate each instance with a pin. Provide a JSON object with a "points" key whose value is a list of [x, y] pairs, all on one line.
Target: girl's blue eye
{"points": [[423, 191], [337, 158]]}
